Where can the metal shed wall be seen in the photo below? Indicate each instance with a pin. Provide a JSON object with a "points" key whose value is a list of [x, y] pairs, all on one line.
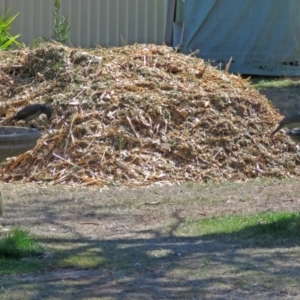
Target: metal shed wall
{"points": [[262, 37], [94, 22]]}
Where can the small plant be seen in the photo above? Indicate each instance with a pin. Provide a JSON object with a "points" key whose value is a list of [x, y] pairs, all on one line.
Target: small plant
{"points": [[61, 27], [122, 143], [38, 41], [18, 244], [6, 39]]}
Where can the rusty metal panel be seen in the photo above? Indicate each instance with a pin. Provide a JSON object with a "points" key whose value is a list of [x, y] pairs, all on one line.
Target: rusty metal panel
{"points": [[94, 22]]}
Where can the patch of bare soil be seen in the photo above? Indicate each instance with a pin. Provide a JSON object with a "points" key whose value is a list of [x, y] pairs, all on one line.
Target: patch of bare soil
{"points": [[133, 236], [286, 100]]}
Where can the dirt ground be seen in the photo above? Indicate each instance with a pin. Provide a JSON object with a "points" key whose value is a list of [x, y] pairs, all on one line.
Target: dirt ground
{"points": [[121, 243], [144, 254], [285, 99]]}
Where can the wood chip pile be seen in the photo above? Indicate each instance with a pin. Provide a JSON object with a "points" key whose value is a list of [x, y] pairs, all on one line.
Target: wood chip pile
{"points": [[139, 114]]}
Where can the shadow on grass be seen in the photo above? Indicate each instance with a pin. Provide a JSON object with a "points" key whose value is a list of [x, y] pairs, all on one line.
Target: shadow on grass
{"points": [[257, 259]]}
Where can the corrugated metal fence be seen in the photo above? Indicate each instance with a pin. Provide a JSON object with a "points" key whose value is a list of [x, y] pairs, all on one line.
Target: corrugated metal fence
{"points": [[94, 22]]}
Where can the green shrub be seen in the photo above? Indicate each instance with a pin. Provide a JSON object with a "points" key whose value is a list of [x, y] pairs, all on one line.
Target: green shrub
{"points": [[61, 28], [6, 39], [18, 244]]}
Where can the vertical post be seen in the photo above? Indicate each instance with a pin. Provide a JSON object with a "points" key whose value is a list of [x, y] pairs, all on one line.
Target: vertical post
{"points": [[1, 205], [170, 20]]}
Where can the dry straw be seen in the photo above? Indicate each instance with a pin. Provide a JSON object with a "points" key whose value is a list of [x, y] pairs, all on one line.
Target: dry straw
{"points": [[139, 114]]}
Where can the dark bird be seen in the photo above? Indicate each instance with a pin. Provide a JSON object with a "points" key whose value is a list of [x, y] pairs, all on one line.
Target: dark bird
{"points": [[290, 121], [30, 112], [294, 135]]}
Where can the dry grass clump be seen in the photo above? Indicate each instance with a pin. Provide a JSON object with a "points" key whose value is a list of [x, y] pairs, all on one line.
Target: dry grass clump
{"points": [[139, 114]]}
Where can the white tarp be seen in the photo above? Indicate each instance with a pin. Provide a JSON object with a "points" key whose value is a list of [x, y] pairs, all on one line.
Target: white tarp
{"points": [[262, 36]]}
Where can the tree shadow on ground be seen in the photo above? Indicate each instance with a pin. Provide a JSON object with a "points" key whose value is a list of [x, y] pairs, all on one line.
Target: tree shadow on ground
{"points": [[286, 98], [164, 265]]}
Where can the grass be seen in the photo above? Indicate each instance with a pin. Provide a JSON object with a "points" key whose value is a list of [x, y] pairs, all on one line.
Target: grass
{"points": [[19, 244], [83, 260], [209, 239], [18, 252], [13, 266], [262, 82], [260, 228]]}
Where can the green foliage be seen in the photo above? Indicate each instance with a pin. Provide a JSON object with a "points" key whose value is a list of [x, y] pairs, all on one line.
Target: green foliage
{"points": [[6, 39], [61, 27], [264, 228], [18, 244]]}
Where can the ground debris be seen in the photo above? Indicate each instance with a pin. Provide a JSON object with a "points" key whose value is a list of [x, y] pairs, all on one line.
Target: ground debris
{"points": [[139, 114]]}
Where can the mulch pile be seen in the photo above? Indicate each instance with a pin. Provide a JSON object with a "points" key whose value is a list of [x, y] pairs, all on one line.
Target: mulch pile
{"points": [[139, 114]]}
